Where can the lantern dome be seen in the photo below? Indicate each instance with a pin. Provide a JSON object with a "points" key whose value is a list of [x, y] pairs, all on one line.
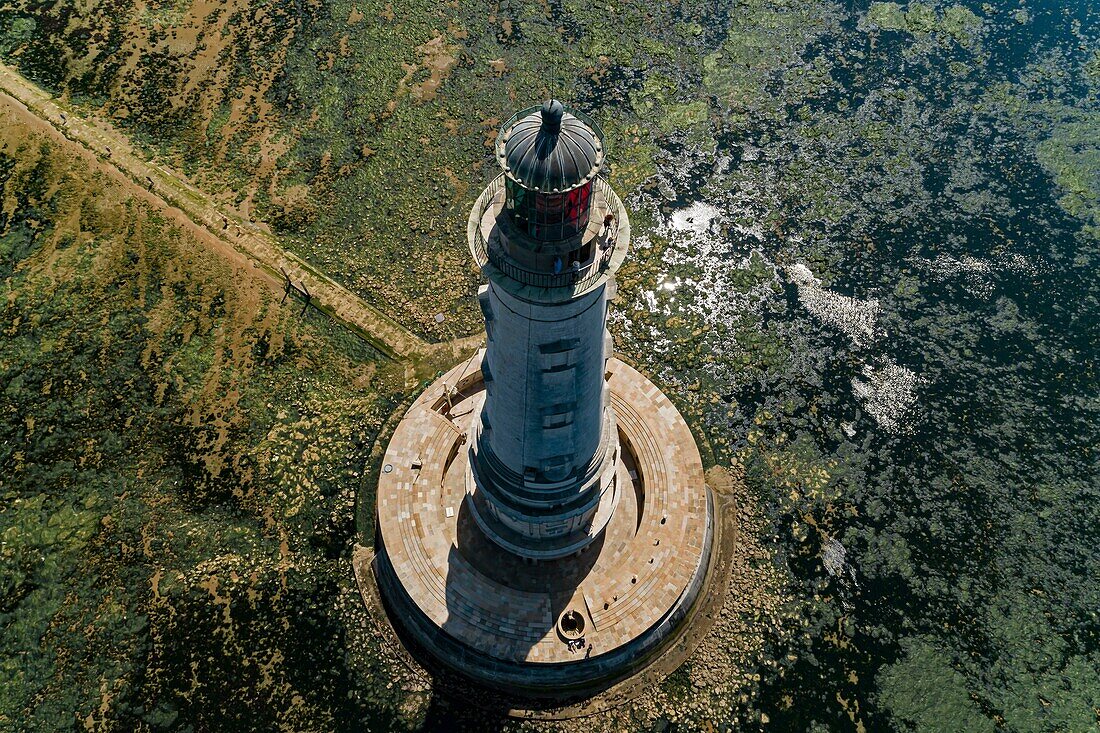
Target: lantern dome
{"points": [[550, 149]]}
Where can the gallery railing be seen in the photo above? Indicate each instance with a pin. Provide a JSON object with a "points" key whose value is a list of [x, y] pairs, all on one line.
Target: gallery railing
{"points": [[579, 279]]}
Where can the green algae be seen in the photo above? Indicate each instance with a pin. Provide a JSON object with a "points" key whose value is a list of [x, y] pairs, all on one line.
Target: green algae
{"points": [[763, 40], [888, 16], [655, 101], [956, 21], [1042, 684], [1091, 71], [961, 23], [924, 692], [18, 31], [39, 539], [920, 18], [1072, 157], [191, 435]]}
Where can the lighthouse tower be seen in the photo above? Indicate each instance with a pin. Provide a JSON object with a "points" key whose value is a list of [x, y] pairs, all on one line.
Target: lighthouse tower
{"points": [[542, 522], [545, 454]]}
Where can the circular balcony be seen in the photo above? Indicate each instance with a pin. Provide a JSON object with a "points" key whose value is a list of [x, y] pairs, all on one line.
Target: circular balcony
{"points": [[486, 237]]}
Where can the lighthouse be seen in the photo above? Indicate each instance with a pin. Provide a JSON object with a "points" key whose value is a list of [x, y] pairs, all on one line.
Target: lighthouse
{"points": [[545, 453], [543, 526]]}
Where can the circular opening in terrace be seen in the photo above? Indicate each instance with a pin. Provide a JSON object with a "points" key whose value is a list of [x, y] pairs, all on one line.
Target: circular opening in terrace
{"points": [[571, 624]]}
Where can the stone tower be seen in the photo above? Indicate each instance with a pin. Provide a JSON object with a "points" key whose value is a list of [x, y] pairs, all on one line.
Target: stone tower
{"points": [[543, 525], [546, 449]]}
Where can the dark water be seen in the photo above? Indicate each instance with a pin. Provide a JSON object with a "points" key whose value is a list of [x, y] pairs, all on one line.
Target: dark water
{"points": [[921, 318]]}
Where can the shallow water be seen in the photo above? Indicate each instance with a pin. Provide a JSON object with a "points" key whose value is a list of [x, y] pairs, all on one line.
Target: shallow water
{"points": [[913, 298]]}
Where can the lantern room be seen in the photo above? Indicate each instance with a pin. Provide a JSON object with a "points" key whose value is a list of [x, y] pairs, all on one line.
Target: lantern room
{"points": [[550, 156]]}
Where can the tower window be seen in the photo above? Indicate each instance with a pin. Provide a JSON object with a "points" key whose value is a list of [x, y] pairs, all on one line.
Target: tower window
{"points": [[557, 361], [557, 420], [557, 355]]}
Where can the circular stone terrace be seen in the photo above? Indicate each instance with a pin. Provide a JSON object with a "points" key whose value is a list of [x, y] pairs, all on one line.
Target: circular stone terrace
{"points": [[591, 617]]}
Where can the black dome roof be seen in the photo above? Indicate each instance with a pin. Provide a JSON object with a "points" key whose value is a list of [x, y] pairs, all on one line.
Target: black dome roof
{"points": [[550, 148]]}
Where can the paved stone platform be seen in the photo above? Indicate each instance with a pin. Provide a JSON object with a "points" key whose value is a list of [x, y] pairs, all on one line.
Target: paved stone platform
{"points": [[631, 586]]}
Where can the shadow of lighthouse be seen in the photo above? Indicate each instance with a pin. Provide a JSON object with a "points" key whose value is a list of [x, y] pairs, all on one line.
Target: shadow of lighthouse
{"points": [[498, 611], [460, 703]]}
